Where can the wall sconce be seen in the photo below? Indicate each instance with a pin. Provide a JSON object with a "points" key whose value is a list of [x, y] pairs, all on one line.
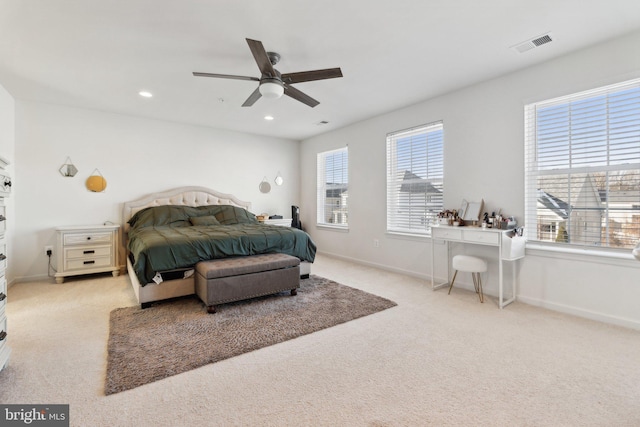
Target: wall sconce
{"points": [[279, 179], [96, 182], [68, 170]]}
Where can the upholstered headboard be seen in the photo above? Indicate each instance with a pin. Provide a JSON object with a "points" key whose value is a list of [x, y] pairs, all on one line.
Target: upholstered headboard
{"points": [[182, 196]]}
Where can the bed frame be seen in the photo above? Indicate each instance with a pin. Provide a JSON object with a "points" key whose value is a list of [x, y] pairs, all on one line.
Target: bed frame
{"points": [[182, 196]]}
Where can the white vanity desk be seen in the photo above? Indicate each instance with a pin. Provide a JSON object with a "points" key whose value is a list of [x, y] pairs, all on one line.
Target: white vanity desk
{"points": [[509, 249]]}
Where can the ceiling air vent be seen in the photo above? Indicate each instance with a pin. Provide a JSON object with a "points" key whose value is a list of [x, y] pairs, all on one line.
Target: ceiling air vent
{"points": [[532, 43]]}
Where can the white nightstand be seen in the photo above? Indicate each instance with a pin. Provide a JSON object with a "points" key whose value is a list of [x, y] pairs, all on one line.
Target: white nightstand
{"points": [[284, 222], [87, 250]]}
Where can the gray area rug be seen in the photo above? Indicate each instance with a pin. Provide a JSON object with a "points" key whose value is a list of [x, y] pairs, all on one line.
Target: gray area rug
{"points": [[172, 337]]}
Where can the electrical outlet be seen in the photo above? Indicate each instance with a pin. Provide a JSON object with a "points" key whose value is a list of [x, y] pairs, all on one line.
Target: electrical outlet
{"points": [[48, 250], [376, 243]]}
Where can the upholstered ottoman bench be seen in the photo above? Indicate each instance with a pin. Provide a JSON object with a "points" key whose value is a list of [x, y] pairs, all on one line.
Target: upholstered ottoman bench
{"points": [[226, 280]]}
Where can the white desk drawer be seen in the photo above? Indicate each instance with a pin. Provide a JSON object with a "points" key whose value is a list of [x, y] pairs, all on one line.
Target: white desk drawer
{"points": [[446, 233], [482, 237]]}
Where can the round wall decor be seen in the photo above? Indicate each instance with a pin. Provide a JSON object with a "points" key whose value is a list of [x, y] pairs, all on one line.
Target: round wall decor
{"points": [[96, 182]]}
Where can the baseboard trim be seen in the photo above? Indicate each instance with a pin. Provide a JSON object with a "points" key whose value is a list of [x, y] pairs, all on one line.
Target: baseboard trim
{"points": [[561, 308], [580, 312], [376, 265], [23, 279]]}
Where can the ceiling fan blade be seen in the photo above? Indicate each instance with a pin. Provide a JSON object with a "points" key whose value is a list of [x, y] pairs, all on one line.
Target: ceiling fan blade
{"points": [[225, 76], [307, 76], [252, 98], [300, 96], [261, 57]]}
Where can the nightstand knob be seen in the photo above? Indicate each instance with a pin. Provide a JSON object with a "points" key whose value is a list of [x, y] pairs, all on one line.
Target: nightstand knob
{"points": [[89, 238]]}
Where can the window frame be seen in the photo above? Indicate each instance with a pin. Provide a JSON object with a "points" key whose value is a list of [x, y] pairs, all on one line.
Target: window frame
{"points": [[342, 213], [580, 169], [425, 171]]}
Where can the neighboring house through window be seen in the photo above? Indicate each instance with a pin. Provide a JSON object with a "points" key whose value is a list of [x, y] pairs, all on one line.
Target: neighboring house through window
{"points": [[332, 188], [583, 168], [415, 178]]}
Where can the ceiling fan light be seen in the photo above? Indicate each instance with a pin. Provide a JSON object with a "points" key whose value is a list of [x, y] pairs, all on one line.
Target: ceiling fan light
{"points": [[271, 90]]}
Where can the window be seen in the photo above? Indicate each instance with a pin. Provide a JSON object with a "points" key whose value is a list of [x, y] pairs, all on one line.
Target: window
{"points": [[332, 188], [582, 159], [414, 178]]}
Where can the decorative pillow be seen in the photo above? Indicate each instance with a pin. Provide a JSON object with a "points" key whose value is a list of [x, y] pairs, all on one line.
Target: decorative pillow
{"points": [[234, 215], [204, 220], [175, 216]]}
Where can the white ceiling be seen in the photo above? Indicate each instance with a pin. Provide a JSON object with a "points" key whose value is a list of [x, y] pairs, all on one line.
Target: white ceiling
{"points": [[99, 54]]}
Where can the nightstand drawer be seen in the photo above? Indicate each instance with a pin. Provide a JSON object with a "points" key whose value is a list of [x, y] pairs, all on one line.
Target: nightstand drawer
{"points": [[3, 293], [87, 238], [87, 264], [3, 329], [88, 252], [3, 256], [3, 219], [283, 222]]}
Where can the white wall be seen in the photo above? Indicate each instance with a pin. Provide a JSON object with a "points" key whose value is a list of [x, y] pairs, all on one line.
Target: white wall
{"points": [[7, 150], [136, 156], [484, 158]]}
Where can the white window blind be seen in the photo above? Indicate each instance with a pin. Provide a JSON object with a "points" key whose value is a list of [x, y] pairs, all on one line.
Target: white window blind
{"points": [[415, 178], [332, 188], [582, 168]]}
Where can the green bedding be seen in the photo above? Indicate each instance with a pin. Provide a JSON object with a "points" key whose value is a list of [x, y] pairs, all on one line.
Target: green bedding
{"points": [[162, 238]]}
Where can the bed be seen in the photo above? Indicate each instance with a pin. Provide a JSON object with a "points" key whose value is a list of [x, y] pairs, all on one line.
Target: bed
{"points": [[167, 233]]}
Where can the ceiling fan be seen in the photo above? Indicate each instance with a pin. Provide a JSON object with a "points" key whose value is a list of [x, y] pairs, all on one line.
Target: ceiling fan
{"points": [[273, 84]]}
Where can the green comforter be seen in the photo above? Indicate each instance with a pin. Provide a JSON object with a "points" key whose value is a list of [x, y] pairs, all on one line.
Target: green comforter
{"points": [[165, 247]]}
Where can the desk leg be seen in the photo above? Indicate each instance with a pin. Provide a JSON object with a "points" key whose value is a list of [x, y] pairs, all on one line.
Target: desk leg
{"points": [[514, 266], [500, 281], [439, 285], [504, 303], [432, 264]]}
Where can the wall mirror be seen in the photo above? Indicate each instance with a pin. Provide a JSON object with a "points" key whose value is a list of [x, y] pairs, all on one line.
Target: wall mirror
{"points": [[68, 170], [473, 211], [463, 209], [264, 186], [279, 179]]}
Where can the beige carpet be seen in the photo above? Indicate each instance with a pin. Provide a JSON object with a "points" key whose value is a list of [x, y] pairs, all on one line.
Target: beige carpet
{"points": [[173, 337], [433, 360]]}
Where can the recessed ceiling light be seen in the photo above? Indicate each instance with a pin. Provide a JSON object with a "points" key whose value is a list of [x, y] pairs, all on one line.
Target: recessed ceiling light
{"points": [[145, 94], [268, 117]]}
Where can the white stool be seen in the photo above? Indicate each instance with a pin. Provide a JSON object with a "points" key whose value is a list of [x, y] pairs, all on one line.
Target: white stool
{"points": [[472, 264]]}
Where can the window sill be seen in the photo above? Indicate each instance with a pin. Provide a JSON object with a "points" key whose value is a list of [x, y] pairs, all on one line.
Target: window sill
{"points": [[340, 228], [601, 256], [408, 236]]}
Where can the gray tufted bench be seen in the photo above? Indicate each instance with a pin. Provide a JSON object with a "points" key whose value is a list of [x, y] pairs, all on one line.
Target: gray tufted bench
{"points": [[226, 280]]}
